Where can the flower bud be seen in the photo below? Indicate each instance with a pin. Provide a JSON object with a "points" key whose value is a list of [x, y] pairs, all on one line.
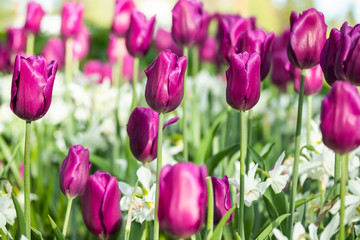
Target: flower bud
{"points": [[121, 22], [74, 171], [55, 50], [307, 38], [164, 41], [182, 199], [100, 205], [33, 18], [208, 51], [71, 18], [340, 118], [243, 81], [139, 35], [222, 199], [165, 85], [81, 43], [281, 67], [31, 88], [16, 39], [4, 58], [98, 70], [313, 80]]}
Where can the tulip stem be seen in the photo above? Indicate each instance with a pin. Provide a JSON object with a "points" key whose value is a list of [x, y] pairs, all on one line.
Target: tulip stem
{"points": [[117, 67], [27, 179], [158, 169], [67, 217], [243, 146], [297, 155], [337, 174], [309, 117], [134, 83], [30, 41], [186, 54], [344, 161], [128, 220], [210, 215], [68, 65]]}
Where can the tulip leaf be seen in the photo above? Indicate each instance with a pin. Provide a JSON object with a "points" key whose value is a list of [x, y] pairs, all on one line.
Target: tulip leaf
{"points": [[20, 218], [268, 230], [56, 230], [102, 163], [267, 150], [218, 230], [276, 204], [212, 163], [36, 234], [5, 149], [302, 201], [256, 157]]}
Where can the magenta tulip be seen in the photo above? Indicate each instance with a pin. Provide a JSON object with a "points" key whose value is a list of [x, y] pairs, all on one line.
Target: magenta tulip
{"points": [[33, 18], [55, 50], [313, 80], [208, 51], [222, 198], [16, 39], [121, 22], [164, 41], [71, 18], [81, 43]]}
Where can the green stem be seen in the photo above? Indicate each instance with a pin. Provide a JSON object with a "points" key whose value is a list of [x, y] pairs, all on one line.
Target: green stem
{"points": [[67, 217], [337, 174], [186, 54], [158, 169], [243, 145], [210, 214], [195, 61], [309, 117], [344, 161], [118, 66], [30, 41], [128, 221], [68, 64], [27, 179], [296, 158], [249, 132], [134, 83]]}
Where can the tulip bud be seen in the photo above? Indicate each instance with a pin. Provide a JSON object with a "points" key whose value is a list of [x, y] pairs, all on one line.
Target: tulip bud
{"points": [[142, 129], [4, 58], [328, 54], [165, 85], [55, 50], [33, 17], [100, 71], [164, 41], [121, 22], [243, 81], [16, 39], [31, 88], [74, 171], [280, 74], [100, 205], [71, 18], [307, 38], [139, 35], [81, 43], [182, 199], [313, 80], [340, 118], [222, 199], [208, 51]]}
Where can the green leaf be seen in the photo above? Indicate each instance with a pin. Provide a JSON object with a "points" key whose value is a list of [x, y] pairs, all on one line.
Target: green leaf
{"points": [[217, 232], [19, 218], [35, 234], [102, 163], [302, 201], [212, 163], [308, 147], [56, 230], [268, 231], [276, 204], [237, 236], [256, 157], [204, 148], [267, 150]]}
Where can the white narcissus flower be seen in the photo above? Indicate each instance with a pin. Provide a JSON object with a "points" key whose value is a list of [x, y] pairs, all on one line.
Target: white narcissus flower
{"points": [[298, 234], [7, 212], [276, 179], [329, 230]]}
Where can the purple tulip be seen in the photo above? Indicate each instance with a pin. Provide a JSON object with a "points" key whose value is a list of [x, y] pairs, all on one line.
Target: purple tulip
{"points": [[165, 85], [280, 42], [101, 71], [222, 199], [32, 85], [307, 38], [74, 171], [139, 35], [340, 118], [100, 205], [4, 58], [243, 81], [16, 39], [164, 41], [313, 80], [33, 18], [182, 199], [71, 18], [256, 41], [142, 129], [208, 51], [121, 22], [187, 20], [81, 43], [328, 54], [203, 34], [55, 50]]}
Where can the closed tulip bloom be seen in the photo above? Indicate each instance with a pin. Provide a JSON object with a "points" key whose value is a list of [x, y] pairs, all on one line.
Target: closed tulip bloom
{"points": [[165, 85], [74, 171], [328, 54], [33, 18], [340, 118], [307, 38], [142, 130], [164, 41], [100, 205], [54, 50], [81, 43], [121, 22], [243, 81], [208, 51], [280, 42], [98, 71], [182, 199], [203, 33], [222, 198], [139, 35], [4, 58], [16, 39], [32, 86], [281, 67], [313, 80], [71, 18]]}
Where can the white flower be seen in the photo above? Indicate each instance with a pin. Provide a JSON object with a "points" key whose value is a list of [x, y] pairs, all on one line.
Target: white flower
{"points": [[329, 230], [168, 153], [7, 212], [23, 237], [298, 234], [276, 180]]}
